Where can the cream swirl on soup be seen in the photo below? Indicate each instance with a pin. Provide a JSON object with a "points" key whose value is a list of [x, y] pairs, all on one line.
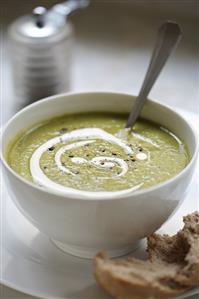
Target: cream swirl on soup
{"points": [[92, 152], [88, 136]]}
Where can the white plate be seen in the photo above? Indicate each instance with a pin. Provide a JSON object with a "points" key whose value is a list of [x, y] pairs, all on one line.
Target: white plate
{"points": [[33, 265]]}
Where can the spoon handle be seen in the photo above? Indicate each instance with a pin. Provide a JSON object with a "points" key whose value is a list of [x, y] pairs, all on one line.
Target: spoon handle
{"points": [[168, 36]]}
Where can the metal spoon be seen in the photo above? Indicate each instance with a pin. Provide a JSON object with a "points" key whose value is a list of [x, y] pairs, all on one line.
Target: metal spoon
{"points": [[168, 36]]}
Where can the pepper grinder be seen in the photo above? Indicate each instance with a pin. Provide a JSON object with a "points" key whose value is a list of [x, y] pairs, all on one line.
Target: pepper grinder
{"points": [[41, 46]]}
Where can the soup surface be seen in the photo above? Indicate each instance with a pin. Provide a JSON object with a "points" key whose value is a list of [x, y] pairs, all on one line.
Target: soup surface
{"points": [[93, 152]]}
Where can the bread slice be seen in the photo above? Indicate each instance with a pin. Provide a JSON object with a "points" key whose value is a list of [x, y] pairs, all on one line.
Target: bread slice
{"points": [[171, 269]]}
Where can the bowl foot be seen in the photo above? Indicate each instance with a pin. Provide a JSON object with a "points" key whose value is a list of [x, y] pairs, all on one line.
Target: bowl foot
{"points": [[89, 253]]}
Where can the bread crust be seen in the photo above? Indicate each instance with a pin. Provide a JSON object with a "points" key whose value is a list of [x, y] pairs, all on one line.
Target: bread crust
{"points": [[171, 269]]}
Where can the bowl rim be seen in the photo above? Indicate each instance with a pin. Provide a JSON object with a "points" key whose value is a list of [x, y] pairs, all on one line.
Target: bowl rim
{"points": [[88, 195]]}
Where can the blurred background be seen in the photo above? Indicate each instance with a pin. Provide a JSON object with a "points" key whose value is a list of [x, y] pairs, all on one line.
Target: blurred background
{"points": [[113, 41]]}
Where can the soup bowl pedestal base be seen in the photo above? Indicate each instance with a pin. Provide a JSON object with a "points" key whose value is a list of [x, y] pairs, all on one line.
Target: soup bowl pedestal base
{"points": [[88, 253]]}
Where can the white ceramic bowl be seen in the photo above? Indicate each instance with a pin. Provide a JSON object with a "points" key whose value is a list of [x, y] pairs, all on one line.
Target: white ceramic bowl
{"points": [[81, 224]]}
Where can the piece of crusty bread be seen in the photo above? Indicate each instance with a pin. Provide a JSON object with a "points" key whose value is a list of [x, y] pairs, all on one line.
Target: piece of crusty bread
{"points": [[171, 269]]}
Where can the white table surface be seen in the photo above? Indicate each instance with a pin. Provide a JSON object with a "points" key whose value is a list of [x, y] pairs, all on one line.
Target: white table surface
{"points": [[113, 48]]}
